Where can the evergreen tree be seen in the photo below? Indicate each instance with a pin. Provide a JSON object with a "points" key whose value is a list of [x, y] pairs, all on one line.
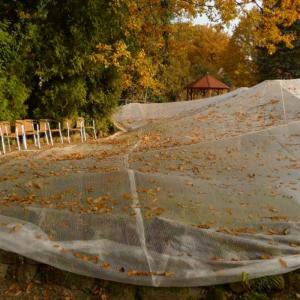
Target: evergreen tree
{"points": [[52, 56], [285, 62]]}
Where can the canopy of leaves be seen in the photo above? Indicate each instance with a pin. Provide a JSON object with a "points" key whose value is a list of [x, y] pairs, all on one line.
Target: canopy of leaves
{"points": [[285, 62], [13, 92], [55, 42], [79, 57]]}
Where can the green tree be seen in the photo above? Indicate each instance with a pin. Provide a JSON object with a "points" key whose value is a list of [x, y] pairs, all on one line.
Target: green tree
{"points": [[13, 92], [239, 55], [55, 43], [285, 62]]}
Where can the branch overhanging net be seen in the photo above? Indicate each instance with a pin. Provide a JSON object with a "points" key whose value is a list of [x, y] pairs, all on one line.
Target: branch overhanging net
{"points": [[194, 193]]}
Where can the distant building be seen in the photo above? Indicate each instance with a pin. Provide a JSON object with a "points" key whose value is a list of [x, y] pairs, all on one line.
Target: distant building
{"points": [[206, 86]]}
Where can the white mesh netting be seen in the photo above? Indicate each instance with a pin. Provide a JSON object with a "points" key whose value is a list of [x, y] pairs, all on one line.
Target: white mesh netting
{"points": [[195, 193]]}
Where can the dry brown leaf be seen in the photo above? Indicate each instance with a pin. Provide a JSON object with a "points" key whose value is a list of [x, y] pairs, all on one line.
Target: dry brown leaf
{"points": [[143, 273], [265, 256], [106, 266], [283, 263], [37, 185], [203, 226], [127, 196], [15, 228], [294, 245], [215, 258], [229, 211], [29, 287], [138, 273], [235, 259], [279, 218], [14, 290]]}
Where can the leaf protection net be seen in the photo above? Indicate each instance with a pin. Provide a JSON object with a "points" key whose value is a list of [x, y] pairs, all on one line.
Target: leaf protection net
{"points": [[194, 193]]}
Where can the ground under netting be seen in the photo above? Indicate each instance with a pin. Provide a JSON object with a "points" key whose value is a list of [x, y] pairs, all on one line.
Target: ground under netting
{"points": [[194, 193]]}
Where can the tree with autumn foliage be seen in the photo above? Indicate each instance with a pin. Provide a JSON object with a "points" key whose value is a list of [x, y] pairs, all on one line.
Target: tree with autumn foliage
{"points": [[52, 59], [79, 58], [285, 62], [239, 55], [170, 59], [195, 50]]}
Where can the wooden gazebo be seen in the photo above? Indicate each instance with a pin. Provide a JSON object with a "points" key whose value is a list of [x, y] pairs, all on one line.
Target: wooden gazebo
{"points": [[205, 87]]}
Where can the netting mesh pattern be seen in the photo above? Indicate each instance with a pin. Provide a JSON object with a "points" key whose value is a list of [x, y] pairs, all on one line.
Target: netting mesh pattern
{"points": [[194, 193]]}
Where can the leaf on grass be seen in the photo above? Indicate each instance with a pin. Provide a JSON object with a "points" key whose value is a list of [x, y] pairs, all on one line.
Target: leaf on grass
{"points": [[14, 290], [29, 287]]}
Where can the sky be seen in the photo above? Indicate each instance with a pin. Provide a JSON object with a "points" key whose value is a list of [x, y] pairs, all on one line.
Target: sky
{"points": [[203, 20]]}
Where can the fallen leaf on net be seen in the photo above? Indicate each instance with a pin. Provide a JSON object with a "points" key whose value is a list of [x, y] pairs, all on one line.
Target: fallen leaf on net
{"points": [[215, 258], [105, 266], [235, 259], [28, 184], [229, 211], [283, 263], [37, 185], [143, 273], [138, 273], [203, 226], [15, 228], [265, 256], [279, 218], [273, 231], [168, 274], [127, 196], [294, 245]]}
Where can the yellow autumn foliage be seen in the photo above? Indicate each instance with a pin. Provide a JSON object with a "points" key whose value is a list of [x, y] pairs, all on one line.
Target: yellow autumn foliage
{"points": [[156, 56]]}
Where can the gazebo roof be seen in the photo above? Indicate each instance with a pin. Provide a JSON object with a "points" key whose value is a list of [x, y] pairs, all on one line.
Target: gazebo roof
{"points": [[208, 82]]}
